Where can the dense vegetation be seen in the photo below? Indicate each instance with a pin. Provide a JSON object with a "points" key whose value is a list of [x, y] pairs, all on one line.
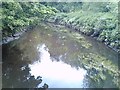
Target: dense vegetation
{"points": [[18, 15], [99, 20]]}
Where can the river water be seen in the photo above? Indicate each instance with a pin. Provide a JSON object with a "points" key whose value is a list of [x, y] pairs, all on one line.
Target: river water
{"points": [[57, 56]]}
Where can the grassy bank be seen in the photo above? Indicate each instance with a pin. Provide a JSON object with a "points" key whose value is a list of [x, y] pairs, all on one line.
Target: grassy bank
{"points": [[102, 25]]}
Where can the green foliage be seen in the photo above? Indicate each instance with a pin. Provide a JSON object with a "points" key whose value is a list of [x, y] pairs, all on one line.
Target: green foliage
{"points": [[97, 19], [64, 6], [100, 6], [17, 15]]}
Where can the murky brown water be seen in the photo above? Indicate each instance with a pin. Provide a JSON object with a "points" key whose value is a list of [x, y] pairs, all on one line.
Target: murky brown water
{"points": [[52, 55]]}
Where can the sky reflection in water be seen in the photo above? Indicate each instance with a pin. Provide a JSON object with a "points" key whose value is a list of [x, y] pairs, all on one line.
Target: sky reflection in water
{"points": [[56, 74]]}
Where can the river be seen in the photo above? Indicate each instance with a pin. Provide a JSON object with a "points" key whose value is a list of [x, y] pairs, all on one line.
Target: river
{"points": [[59, 57]]}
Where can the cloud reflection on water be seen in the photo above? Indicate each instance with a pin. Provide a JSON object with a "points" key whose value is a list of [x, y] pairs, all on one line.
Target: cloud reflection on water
{"points": [[56, 74]]}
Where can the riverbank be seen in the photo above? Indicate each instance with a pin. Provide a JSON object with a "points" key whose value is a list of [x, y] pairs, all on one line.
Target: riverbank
{"points": [[17, 17], [103, 33], [15, 36]]}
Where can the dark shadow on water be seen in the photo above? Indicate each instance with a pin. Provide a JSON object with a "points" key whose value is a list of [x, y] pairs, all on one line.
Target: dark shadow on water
{"points": [[15, 72]]}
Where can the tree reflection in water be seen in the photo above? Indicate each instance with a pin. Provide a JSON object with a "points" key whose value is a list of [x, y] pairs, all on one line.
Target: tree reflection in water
{"points": [[15, 71]]}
